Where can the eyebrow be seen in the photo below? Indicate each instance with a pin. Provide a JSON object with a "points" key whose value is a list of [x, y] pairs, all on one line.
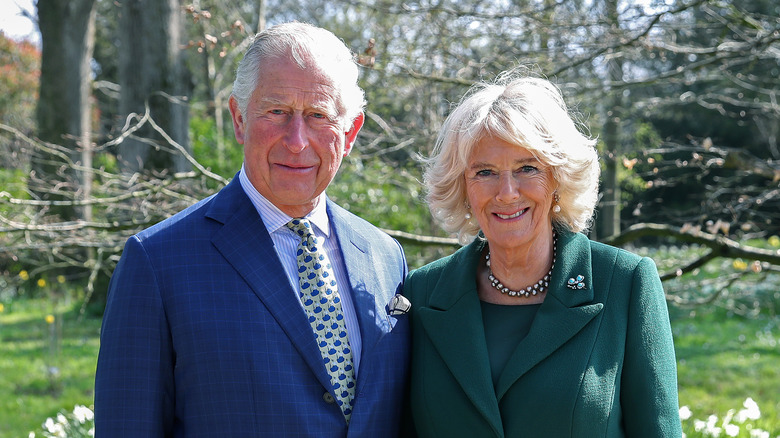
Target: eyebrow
{"points": [[522, 161], [324, 107]]}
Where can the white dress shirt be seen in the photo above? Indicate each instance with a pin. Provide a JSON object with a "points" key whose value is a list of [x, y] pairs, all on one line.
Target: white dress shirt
{"points": [[286, 244]]}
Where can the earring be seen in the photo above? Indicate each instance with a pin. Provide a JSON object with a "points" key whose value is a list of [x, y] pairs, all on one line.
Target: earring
{"points": [[468, 211], [556, 198]]}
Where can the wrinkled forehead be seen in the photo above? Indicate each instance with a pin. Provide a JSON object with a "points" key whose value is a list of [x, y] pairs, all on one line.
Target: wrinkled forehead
{"points": [[305, 76]]}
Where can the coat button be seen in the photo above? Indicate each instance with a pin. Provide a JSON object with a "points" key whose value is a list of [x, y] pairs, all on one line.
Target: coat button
{"points": [[328, 398]]}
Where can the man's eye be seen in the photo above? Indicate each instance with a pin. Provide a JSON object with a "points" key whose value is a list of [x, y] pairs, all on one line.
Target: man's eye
{"points": [[319, 116], [277, 111]]}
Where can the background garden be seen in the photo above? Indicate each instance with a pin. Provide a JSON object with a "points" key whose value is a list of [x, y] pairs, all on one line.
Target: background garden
{"points": [[116, 118]]}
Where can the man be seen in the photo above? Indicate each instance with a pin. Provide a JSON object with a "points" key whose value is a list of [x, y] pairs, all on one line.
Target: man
{"points": [[210, 329]]}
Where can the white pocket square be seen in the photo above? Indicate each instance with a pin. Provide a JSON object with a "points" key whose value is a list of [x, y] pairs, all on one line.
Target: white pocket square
{"points": [[398, 305]]}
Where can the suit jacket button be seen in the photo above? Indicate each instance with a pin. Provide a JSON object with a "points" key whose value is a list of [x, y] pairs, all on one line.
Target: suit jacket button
{"points": [[328, 398]]}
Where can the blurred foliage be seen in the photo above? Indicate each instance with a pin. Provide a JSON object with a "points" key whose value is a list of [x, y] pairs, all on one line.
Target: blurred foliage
{"points": [[20, 63], [203, 132], [738, 286]]}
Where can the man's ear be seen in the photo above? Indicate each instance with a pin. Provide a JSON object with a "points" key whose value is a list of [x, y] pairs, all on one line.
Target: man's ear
{"points": [[238, 119], [351, 135]]}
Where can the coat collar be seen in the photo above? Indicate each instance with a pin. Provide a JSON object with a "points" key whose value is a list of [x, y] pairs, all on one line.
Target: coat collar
{"points": [[453, 320]]}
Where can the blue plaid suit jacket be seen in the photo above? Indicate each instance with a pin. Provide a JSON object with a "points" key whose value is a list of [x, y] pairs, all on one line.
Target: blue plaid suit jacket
{"points": [[203, 336]]}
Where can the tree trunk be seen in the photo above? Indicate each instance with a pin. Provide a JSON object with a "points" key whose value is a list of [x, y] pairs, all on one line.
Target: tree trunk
{"points": [[152, 72], [261, 12], [63, 112], [609, 217]]}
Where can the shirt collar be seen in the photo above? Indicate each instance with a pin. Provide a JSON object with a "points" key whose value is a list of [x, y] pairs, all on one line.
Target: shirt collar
{"points": [[274, 218]]}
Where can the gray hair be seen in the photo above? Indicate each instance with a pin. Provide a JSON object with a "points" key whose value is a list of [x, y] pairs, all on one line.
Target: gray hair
{"points": [[307, 45], [525, 111]]}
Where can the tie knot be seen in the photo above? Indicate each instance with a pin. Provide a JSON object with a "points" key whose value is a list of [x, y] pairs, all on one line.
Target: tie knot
{"points": [[302, 227]]}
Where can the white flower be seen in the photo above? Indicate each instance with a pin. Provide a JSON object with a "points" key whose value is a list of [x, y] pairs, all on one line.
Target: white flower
{"points": [[728, 417], [49, 425], [699, 425], [83, 414], [758, 433], [56, 429], [731, 429], [710, 428], [685, 413], [751, 411], [31, 435]]}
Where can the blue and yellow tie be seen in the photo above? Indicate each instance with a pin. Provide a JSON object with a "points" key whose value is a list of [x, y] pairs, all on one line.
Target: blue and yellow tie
{"points": [[321, 301]]}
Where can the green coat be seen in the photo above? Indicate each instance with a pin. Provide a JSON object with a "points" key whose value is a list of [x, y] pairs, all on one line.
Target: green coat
{"points": [[598, 361]]}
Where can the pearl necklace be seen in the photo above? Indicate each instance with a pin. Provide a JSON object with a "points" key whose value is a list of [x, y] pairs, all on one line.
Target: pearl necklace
{"points": [[537, 288]]}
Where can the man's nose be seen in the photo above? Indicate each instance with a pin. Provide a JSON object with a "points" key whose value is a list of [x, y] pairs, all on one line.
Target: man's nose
{"points": [[295, 137]]}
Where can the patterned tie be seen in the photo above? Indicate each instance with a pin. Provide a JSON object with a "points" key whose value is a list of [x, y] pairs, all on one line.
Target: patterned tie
{"points": [[322, 304]]}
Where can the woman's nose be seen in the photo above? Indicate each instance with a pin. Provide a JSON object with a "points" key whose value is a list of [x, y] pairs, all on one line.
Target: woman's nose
{"points": [[507, 187]]}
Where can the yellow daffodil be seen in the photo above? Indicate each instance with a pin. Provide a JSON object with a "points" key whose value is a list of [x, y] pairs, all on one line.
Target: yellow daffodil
{"points": [[774, 241], [49, 319], [24, 275], [41, 282], [60, 279], [2, 308], [739, 264]]}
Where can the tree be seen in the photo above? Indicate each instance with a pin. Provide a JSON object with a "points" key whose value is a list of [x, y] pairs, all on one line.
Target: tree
{"points": [[152, 77], [609, 211], [63, 113]]}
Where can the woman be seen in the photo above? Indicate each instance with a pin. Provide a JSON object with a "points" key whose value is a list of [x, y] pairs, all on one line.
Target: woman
{"points": [[532, 330]]}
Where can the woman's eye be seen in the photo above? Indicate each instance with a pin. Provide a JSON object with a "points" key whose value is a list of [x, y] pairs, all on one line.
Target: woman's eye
{"points": [[484, 172], [528, 169]]}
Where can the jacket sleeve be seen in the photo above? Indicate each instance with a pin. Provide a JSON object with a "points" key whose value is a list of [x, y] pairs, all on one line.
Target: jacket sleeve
{"points": [[134, 379], [649, 384]]}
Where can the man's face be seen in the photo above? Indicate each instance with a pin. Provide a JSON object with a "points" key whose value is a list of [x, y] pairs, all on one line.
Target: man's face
{"points": [[293, 135]]}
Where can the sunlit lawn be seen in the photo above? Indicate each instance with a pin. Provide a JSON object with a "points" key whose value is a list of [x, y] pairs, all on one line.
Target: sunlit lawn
{"points": [[723, 359], [45, 366]]}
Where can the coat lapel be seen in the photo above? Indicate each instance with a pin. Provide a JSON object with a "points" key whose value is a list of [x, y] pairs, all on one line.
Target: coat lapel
{"points": [[245, 243], [369, 297], [564, 312], [453, 320]]}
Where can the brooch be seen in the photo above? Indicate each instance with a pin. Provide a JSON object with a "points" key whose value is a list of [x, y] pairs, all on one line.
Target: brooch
{"points": [[576, 283]]}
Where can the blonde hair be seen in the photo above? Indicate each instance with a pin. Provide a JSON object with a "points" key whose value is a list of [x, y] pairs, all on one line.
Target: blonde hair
{"points": [[530, 113]]}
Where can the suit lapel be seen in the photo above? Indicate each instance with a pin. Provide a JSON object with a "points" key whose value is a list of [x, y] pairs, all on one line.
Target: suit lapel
{"points": [[453, 320], [369, 297], [564, 312], [245, 243]]}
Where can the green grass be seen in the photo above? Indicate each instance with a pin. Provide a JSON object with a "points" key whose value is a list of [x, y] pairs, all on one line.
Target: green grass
{"points": [[723, 359], [44, 368]]}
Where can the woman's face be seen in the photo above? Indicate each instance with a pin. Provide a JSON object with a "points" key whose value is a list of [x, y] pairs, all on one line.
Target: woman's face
{"points": [[510, 193]]}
